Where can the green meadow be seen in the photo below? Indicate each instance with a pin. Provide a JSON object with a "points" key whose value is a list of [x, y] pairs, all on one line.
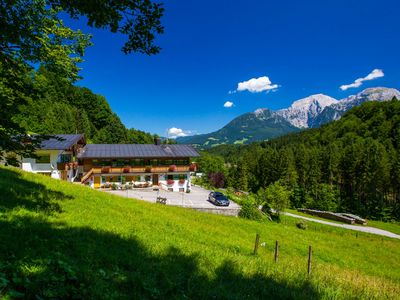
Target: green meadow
{"points": [[64, 241]]}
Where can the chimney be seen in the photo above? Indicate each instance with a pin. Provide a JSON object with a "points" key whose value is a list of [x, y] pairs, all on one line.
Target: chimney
{"points": [[157, 141]]}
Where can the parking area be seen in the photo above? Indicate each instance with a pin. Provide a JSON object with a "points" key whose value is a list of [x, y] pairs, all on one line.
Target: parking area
{"points": [[197, 199]]}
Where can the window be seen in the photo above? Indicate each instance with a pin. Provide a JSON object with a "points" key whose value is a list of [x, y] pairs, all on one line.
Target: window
{"points": [[137, 162], [105, 163], [43, 159], [64, 158], [154, 162], [117, 163]]}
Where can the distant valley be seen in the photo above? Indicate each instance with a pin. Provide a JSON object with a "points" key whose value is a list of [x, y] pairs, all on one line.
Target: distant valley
{"points": [[309, 112]]}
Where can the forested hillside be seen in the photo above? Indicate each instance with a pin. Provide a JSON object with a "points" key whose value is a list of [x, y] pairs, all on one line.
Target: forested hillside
{"points": [[61, 107], [349, 165]]}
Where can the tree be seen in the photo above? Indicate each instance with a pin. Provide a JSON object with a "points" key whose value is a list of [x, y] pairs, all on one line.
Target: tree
{"points": [[277, 196], [32, 33], [210, 163]]}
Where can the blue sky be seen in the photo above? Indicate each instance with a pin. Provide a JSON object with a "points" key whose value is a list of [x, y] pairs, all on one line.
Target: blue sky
{"points": [[304, 47]]}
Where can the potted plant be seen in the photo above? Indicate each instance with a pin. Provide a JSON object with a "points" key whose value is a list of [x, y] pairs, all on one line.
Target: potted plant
{"points": [[181, 180], [170, 181], [172, 168]]}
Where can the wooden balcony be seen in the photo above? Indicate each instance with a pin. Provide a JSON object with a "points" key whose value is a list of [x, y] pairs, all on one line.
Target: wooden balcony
{"points": [[122, 170]]}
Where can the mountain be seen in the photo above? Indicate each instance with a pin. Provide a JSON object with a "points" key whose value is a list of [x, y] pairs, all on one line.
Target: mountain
{"points": [[336, 110], [303, 112], [309, 112], [246, 128]]}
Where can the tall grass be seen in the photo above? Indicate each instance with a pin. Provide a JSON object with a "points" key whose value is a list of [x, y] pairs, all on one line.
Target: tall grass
{"points": [[60, 240]]}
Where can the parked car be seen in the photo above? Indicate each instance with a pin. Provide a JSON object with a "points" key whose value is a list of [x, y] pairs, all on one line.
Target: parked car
{"points": [[218, 199]]}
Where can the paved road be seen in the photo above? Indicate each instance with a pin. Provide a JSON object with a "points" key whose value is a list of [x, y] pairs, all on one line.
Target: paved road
{"points": [[196, 199], [352, 227]]}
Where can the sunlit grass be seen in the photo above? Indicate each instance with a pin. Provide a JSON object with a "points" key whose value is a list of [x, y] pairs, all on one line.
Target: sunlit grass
{"points": [[75, 240]]}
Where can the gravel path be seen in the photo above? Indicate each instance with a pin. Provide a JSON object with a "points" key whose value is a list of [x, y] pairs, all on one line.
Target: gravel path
{"points": [[367, 229]]}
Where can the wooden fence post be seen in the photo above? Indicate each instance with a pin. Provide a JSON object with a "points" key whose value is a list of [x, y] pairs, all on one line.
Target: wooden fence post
{"points": [[257, 242], [276, 251], [309, 260]]}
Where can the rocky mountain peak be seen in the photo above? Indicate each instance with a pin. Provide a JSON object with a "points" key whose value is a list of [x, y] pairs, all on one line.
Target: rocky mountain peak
{"points": [[317, 100], [301, 113]]}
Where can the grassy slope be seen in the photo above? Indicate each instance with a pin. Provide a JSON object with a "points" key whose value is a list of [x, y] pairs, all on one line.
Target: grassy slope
{"points": [[62, 240]]}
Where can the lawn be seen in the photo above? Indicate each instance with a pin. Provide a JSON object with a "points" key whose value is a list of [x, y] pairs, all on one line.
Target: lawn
{"points": [[63, 241]]}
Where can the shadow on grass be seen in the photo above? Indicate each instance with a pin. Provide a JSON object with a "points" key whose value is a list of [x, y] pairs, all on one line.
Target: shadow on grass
{"points": [[43, 260], [15, 191]]}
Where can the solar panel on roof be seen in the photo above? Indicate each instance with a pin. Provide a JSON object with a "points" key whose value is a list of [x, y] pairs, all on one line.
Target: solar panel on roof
{"points": [[64, 141], [136, 150]]}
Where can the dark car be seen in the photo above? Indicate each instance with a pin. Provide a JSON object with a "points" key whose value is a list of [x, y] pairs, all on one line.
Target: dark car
{"points": [[218, 199]]}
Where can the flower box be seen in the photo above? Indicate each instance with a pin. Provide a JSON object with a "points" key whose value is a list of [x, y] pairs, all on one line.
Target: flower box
{"points": [[172, 168], [126, 170], [105, 169]]}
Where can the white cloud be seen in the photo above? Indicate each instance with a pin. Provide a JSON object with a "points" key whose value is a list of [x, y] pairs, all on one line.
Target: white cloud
{"points": [[257, 85], [176, 132], [376, 73], [228, 104]]}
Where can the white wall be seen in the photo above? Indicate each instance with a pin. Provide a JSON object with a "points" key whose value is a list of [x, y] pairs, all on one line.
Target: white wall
{"points": [[30, 165], [176, 186]]}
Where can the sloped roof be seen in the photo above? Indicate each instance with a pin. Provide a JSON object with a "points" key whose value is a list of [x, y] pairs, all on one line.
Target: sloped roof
{"points": [[66, 142], [136, 150]]}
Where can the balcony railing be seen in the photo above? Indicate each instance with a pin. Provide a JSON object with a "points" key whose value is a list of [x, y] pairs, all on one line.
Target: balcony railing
{"points": [[120, 170]]}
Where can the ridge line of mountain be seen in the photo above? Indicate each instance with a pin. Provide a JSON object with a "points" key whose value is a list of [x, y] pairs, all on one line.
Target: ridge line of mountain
{"points": [[309, 112]]}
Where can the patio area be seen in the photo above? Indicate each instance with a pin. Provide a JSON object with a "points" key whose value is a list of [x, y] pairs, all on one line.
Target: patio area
{"points": [[197, 199]]}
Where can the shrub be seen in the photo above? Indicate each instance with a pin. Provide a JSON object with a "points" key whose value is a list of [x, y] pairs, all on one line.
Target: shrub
{"points": [[301, 225], [277, 196], [250, 211], [114, 186], [217, 179]]}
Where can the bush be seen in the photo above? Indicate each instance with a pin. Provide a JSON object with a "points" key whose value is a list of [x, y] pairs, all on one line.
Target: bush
{"points": [[301, 225], [217, 179], [250, 211], [114, 186]]}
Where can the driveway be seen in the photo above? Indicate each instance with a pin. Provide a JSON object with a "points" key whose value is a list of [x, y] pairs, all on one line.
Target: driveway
{"points": [[197, 199], [367, 229]]}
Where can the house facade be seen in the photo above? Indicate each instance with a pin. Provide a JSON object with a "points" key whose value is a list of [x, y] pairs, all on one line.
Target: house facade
{"points": [[104, 165], [141, 165], [56, 157]]}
